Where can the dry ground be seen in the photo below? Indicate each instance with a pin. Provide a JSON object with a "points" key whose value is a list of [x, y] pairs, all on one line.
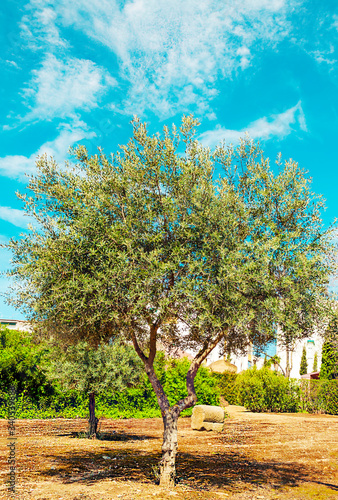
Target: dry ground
{"points": [[258, 456]]}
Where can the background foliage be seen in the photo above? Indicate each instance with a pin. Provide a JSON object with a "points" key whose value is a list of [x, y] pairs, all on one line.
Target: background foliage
{"points": [[23, 364], [265, 390], [20, 364], [138, 401]]}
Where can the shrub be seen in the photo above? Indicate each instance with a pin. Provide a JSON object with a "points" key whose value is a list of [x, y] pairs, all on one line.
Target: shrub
{"points": [[311, 396], [330, 396], [267, 390], [20, 360], [228, 389]]}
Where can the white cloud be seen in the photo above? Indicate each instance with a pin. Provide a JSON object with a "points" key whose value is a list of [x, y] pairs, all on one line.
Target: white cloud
{"points": [[324, 56], [264, 128], [12, 63], [17, 166], [335, 22], [244, 53], [172, 52], [60, 87], [39, 29], [15, 216]]}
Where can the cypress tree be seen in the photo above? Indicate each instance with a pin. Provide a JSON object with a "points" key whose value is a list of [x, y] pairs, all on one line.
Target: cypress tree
{"points": [[93, 371], [315, 362], [329, 366], [303, 363]]}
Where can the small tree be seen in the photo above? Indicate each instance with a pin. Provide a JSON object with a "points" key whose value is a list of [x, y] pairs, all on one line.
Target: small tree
{"points": [[303, 363], [147, 245], [92, 371], [315, 362]]}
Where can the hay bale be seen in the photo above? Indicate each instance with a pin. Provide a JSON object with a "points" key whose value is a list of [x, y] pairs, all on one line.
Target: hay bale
{"points": [[209, 418]]}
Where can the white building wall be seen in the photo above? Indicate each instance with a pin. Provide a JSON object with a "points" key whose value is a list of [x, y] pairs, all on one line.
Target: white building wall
{"points": [[13, 324], [312, 345]]}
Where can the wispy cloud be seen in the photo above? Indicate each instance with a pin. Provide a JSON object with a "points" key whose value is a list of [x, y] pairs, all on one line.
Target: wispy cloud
{"points": [[325, 56], [62, 86], [264, 128], [170, 52], [12, 63], [15, 216], [17, 166], [39, 29]]}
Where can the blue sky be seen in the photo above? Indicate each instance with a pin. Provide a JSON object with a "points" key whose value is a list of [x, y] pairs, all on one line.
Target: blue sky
{"points": [[76, 71]]}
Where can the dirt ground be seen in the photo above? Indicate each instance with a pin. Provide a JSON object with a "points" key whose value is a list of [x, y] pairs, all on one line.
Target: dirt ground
{"points": [[257, 456]]}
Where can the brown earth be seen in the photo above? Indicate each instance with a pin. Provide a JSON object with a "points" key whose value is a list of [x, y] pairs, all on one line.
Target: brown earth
{"points": [[257, 456]]}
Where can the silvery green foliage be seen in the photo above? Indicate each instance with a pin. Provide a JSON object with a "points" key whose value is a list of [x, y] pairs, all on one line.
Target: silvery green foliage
{"points": [[150, 240], [109, 367]]}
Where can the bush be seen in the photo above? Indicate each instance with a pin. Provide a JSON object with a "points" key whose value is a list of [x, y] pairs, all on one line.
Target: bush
{"points": [[330, 396], [228, 389], [266, 390], [20, 360], [311, 396], [320, 396]]}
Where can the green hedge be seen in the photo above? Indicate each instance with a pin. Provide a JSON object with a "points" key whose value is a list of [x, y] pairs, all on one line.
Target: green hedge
{"points": [[320, 396], [267, 391], [330, 396], [226, 383], [134, 402]]}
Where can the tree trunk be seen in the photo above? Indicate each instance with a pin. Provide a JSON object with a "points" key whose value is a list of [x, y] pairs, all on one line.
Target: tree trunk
{"points": [[92, 419], [169, 450], [288, 362], [170, 414]]}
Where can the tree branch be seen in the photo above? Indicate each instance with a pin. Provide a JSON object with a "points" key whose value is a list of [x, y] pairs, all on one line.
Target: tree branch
{"points": [[152, 341], [137, 347], [196, 363]]}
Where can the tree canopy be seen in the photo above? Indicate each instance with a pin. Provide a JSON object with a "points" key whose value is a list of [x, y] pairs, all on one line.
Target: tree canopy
{"points": [[150, 245], [112, 366]]}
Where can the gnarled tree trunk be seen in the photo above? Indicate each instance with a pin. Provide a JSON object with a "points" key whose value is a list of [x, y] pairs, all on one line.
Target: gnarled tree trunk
{"points": [[92, 419], [169, 413], [169, 450]]}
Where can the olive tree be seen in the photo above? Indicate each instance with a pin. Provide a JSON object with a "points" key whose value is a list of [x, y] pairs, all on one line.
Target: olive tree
{"points": [[93, 370], [149, 244]]}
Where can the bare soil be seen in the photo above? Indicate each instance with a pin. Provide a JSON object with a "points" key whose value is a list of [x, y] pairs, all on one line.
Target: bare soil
{"points": [[257, 456]]}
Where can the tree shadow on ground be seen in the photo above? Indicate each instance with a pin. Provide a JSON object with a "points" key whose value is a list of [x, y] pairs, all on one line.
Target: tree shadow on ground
{"points": [[111, 436], [222, 470]]}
